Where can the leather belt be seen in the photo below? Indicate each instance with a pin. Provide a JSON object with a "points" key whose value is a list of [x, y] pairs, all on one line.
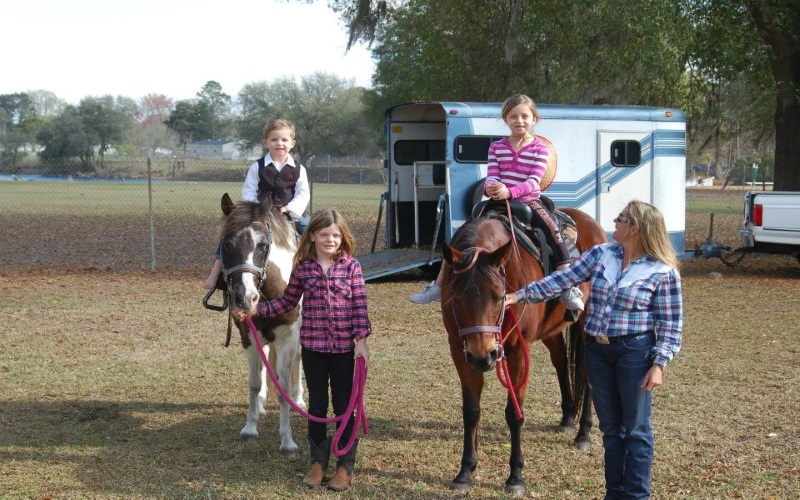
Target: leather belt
{"points": [[602, 339]]}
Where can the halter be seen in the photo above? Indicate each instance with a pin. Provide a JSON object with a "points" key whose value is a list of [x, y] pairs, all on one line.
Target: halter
{"points": [[498, 327], [260, 272]]}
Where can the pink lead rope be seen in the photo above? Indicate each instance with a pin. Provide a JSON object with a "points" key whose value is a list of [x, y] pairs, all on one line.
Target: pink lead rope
{"points": [[356, 398]]}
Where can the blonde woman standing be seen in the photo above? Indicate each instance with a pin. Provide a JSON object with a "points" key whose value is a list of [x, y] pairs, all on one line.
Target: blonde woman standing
{"points": [[634, 322]]}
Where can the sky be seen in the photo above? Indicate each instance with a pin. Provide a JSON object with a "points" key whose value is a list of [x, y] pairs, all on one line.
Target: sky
{"points": [[131, 48]]}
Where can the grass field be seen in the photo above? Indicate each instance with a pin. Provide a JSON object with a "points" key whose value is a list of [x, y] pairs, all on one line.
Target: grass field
{"points": [[115, 384]]}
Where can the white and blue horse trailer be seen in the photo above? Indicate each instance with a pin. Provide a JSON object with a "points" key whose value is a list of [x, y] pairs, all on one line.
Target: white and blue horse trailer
{"points": [[607, 156]]}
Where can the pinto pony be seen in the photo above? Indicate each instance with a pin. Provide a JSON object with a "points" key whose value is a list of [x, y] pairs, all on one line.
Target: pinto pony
{"points": [[485, 262], [258, 245]]}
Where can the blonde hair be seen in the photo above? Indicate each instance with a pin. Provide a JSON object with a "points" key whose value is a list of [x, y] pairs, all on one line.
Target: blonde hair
{"points": [[320, 220], [276, 124], [514, 101], [652, 232]]}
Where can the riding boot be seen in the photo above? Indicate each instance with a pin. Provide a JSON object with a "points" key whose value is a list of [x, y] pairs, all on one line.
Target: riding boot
{"points": [[344, 470], [320, 454]]}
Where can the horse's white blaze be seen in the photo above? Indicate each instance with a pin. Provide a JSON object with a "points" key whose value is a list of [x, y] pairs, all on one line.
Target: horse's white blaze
{"points": [[251, 293]]}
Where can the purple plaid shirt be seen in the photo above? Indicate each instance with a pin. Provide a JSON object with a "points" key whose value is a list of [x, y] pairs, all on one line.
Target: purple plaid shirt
{"points": [[645, 296], [334, 305]]}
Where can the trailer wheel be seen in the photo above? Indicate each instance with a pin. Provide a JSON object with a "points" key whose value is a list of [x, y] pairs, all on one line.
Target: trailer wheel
{"points": [[732, 257]]}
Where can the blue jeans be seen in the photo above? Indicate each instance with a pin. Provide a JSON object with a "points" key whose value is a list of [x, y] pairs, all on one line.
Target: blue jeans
{"points": [[616, 372]]}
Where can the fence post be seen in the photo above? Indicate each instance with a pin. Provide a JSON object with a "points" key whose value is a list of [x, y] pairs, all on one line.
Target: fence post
{"points": [[152, 225]]}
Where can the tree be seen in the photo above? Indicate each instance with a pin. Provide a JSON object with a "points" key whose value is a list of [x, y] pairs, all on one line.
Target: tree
{"points": [[689, 54], [65, 138], [328, 113], [105, 121], [182, 122], [213, 111], [155, 108], [256, 102], [46, 104], [15, 109], [778, 23], [151, 133]]}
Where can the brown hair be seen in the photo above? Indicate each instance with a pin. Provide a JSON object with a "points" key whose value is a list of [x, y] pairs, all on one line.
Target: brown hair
{"points": [[652, 232], [514, 101], [276, 124], [320, 220]]}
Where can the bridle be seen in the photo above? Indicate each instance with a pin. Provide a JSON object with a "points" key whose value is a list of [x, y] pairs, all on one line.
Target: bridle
{"points": [[497, 328], [227, 273], [259, 272]]}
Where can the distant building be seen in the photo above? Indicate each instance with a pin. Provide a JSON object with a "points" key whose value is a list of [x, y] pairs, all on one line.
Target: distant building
{"points": [[222, 149]]}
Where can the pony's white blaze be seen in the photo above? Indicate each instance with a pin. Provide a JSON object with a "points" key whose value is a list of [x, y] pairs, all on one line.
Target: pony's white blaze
{"points": [[251, 293]]}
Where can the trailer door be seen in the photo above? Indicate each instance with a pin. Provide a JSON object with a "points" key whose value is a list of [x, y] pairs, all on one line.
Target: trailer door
{"points": [[624, 172]]}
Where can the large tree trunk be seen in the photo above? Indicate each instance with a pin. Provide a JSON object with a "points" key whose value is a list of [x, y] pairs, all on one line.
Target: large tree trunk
{"points": [[779, 24], [787, 142]]}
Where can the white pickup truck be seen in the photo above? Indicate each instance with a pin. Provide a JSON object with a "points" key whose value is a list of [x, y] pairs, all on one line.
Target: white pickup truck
{"points": [[771, 222]]}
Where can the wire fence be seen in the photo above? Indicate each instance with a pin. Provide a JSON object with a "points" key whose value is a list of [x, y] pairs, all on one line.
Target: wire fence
{"points": [[125, 221]]}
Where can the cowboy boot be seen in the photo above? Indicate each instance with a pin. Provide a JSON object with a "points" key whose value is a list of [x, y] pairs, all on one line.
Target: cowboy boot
{"points": [[344, 470], [320, 454]]}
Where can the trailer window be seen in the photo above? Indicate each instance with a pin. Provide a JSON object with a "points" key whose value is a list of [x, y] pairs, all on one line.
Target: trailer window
{"points": [[626, 153], [473, 148], [407, 152]]}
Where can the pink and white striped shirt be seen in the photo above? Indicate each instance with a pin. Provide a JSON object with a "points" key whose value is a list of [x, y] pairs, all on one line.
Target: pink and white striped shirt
{"points": [[521, 171]]}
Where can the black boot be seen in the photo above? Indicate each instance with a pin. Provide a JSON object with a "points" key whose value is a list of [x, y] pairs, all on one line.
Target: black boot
{"points": [[344, 469], [320, 454]]}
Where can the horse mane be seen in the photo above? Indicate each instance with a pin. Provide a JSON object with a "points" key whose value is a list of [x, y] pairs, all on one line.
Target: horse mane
{"points": [[247, 213], [466, 282]]}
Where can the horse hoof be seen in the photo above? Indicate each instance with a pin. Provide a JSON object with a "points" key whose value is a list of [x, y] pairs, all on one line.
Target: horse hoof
{"points": [[291, 455], [463, 488], [516, 490], [246, 438], [563, 429], [583, 445]]}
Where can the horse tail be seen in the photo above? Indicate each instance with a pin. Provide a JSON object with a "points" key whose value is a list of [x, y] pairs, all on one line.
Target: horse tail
{"points": [[579, 382]]}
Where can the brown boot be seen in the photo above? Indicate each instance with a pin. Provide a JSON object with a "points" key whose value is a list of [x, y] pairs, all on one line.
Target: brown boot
{"points": [[320, 454], [341, 481], [315, 476], [344, 470]]}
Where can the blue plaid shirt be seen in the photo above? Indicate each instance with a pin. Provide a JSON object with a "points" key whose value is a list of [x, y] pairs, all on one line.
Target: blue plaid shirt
{"points": [[644, 296]]}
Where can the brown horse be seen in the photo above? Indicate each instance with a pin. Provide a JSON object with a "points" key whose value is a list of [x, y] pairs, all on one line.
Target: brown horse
{"points": [[485, 262]]}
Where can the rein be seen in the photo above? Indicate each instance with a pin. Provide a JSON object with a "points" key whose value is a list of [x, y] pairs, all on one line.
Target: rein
{"points": [[503, 374], [356, 398]]}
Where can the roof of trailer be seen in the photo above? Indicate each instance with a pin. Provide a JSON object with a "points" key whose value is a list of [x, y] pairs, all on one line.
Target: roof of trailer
{"points": [[551, 111]]}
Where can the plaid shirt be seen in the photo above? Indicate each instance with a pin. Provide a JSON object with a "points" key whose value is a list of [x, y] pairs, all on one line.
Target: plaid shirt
{"points": [[334, 305], [644, 296]]}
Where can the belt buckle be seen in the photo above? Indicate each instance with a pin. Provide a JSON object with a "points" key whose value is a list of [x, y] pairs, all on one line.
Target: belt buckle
{"points": [[601, 339]]}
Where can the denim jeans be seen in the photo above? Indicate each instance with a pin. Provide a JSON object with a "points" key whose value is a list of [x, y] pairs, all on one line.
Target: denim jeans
{"points": [[616, 372]]}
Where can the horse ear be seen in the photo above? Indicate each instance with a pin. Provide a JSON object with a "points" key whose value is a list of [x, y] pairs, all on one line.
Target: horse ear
{"points": [[227, 204], [501, 256], [451, 255]]}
